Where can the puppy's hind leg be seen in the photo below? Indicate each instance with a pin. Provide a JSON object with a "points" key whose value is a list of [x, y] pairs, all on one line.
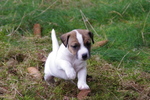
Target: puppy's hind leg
{"points": [[49, 79]]}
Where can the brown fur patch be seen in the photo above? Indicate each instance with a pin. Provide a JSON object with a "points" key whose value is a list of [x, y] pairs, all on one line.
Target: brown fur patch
{"points": [[69, 40], [73, 42]]}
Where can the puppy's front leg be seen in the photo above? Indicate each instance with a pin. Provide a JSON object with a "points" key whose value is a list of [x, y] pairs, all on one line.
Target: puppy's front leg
{"points": [[68, 69], [82, 79]]}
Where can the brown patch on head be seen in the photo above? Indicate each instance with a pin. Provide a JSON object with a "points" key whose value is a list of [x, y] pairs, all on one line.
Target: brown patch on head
{"points": [[70, 40], [86, 34], [87, 37]]}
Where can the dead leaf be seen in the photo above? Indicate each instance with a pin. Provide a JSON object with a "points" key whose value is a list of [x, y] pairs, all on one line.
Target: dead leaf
{"points": [[100, 43], [34, 72], [83, 94], [37, 30]]}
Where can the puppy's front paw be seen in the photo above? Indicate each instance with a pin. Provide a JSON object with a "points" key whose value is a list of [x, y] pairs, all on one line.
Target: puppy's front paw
{"points": [[83, 86], [71, 74]]}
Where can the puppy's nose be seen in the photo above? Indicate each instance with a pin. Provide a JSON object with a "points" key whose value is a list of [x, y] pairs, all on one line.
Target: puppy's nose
{"points": [[84, 56]]}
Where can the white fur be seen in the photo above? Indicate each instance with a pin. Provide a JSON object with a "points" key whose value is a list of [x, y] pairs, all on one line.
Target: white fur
{"points": [[83, 49], [63, 64]]}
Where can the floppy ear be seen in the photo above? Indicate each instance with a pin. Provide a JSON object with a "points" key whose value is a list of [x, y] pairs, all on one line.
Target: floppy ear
{"points": [[64, 38], [91, 36]]}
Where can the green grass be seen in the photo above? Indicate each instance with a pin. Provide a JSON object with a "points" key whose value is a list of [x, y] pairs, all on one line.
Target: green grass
{"points": [[119, 70]]}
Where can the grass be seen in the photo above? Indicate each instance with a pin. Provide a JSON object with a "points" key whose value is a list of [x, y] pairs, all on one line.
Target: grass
{"points": [[120, 70]]}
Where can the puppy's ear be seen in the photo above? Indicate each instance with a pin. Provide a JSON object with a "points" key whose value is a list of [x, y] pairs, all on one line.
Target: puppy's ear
{"points": [[64, 38], [91, 36]]}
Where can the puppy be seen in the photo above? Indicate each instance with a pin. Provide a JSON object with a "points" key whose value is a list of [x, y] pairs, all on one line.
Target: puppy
{"points": [[69, 59]]}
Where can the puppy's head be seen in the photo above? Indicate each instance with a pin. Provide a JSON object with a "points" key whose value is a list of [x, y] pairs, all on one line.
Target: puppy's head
{"points": [[78, 42]]}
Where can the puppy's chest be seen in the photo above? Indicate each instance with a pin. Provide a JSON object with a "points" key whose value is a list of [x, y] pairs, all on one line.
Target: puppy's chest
{"points": [[77, 65]]}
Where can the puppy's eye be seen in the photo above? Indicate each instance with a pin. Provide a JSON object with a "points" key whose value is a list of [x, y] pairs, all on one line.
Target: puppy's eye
{"points": [[88, 44], [74, 46]]}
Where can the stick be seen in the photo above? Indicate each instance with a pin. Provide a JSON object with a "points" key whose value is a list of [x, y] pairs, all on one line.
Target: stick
{"points": [[86, 20], [122, 59]]}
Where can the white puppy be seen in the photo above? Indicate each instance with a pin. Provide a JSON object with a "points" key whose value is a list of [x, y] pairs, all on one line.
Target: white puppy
{"points": [[68, 60]]}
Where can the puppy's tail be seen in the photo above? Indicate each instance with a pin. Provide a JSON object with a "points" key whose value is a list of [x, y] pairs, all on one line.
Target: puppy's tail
{"points": [[55, 45]]}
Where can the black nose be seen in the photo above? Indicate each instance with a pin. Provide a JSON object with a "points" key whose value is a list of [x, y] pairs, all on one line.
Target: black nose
{"points": [[84, 56]]}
